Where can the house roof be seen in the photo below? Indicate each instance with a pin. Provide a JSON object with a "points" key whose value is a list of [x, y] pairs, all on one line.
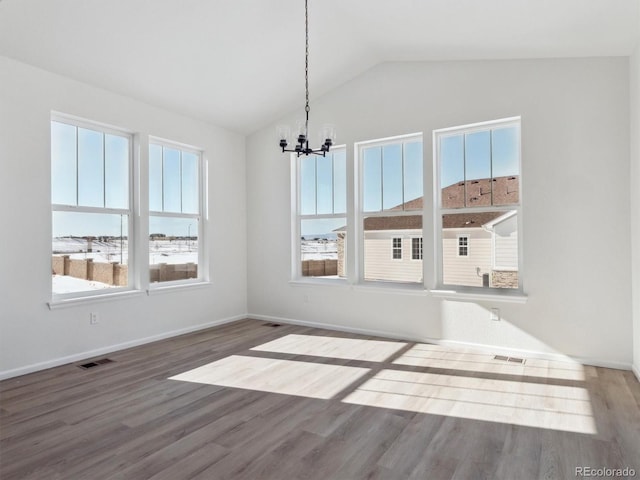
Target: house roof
{"points": [[478, 192], [482, 192]]}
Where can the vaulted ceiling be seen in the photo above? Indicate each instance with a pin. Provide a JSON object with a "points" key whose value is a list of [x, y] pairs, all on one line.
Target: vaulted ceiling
{"points": [[240, 63]]}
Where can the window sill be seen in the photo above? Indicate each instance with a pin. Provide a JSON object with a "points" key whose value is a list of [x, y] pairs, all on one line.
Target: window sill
{"points": [[314, 281], [87, 300], [479, 296], [176, 287], [392, 287]]}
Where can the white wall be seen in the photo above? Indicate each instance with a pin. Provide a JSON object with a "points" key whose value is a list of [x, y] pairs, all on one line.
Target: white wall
{"points": [[32, 336], [575, 141], [634, 82]]}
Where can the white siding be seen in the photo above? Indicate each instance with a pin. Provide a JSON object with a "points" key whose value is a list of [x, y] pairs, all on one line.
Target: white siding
{"points": [[458, 270], [378, 260], [506, 245]]}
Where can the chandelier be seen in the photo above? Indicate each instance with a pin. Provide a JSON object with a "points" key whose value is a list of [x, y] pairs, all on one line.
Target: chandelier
{"points": [[328, 136]]}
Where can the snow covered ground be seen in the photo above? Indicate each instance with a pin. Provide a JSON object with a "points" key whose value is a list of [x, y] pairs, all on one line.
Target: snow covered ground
{"points": [[177, 251], [160, 251], [67, 284], [319, 249]]}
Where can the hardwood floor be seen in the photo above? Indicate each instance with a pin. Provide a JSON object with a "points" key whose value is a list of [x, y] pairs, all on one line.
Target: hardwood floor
{"points": [[251, 401]]}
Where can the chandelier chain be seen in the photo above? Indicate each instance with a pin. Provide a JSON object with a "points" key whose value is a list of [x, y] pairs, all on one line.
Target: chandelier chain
{"points": [[306, 64], [302, 141]]}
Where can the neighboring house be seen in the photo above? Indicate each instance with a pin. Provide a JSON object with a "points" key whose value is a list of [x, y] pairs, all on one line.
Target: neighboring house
{"points": [[479, 248]]}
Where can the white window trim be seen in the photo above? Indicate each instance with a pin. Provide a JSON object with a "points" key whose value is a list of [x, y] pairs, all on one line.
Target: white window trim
{"points": [[467, 292], [203, 255], [459, 236], [420, 247], [360, 214], [395, 248], [58, 299], [297, 217]]}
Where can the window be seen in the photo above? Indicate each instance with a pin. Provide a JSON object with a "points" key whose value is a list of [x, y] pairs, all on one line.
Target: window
{"points": [[463, 245], [91, 208], [391, 199], [397, 249], [478, 173], [416, 248], [175, 205], [320, 223]]}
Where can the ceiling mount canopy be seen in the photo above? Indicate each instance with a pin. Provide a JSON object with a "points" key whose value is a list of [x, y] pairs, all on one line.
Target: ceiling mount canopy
{"points": [[302, 131]]}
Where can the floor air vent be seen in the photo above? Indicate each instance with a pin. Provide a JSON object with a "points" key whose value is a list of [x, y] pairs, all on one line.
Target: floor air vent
{"points": [[504, 358], [272, 325], [95, 363]]}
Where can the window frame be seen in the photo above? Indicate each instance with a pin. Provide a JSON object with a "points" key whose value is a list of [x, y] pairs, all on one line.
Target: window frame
{"points": [[439, 211], [131, 211], [396, 248], [203, 275], [297, 217], [360, 214], [465, 246], [420, 248]]}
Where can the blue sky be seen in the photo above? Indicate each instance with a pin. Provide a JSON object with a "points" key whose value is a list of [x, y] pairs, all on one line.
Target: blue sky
{"points": [[91, 169], [473, 156], [393, 174]]}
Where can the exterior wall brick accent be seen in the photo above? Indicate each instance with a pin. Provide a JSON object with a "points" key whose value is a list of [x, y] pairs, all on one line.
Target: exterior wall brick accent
{"points": [[319, 268], [57, 264], [78, 268], [170, 272], [120, 275], [341, 255], [102, 272], [504, 279]]}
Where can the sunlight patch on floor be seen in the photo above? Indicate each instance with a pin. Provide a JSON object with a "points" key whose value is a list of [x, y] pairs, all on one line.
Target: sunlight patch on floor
{"points": [[436, 356], [333, 347], [314, 380], [556, 407]]}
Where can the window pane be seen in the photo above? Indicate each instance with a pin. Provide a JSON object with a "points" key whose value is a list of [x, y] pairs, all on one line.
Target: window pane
{"points": [[392, 177], [340, 181], [322, 247], [189, 183], [474, 244], [63, 164], [307, 185], [413, 175], [116, 171], [90, 168], [478, 169], [372, 179], [155, 178], [171, 181], [324, 175], [173, 248], [90, 251], [506, 168], [452, 171], [416, 248], [380, 248]]}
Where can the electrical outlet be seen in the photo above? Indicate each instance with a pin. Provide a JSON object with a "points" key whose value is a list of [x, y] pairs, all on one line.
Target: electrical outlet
{"points": [[93, 318], [495, 314], [306, 299]]}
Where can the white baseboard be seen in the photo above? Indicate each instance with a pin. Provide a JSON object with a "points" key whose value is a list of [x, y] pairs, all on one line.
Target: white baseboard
{"points": [[636, 371], [56, 362], [512, 352]]}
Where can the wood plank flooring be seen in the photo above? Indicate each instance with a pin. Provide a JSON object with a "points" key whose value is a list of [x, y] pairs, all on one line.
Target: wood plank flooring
{"points": [[251, 401]]}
